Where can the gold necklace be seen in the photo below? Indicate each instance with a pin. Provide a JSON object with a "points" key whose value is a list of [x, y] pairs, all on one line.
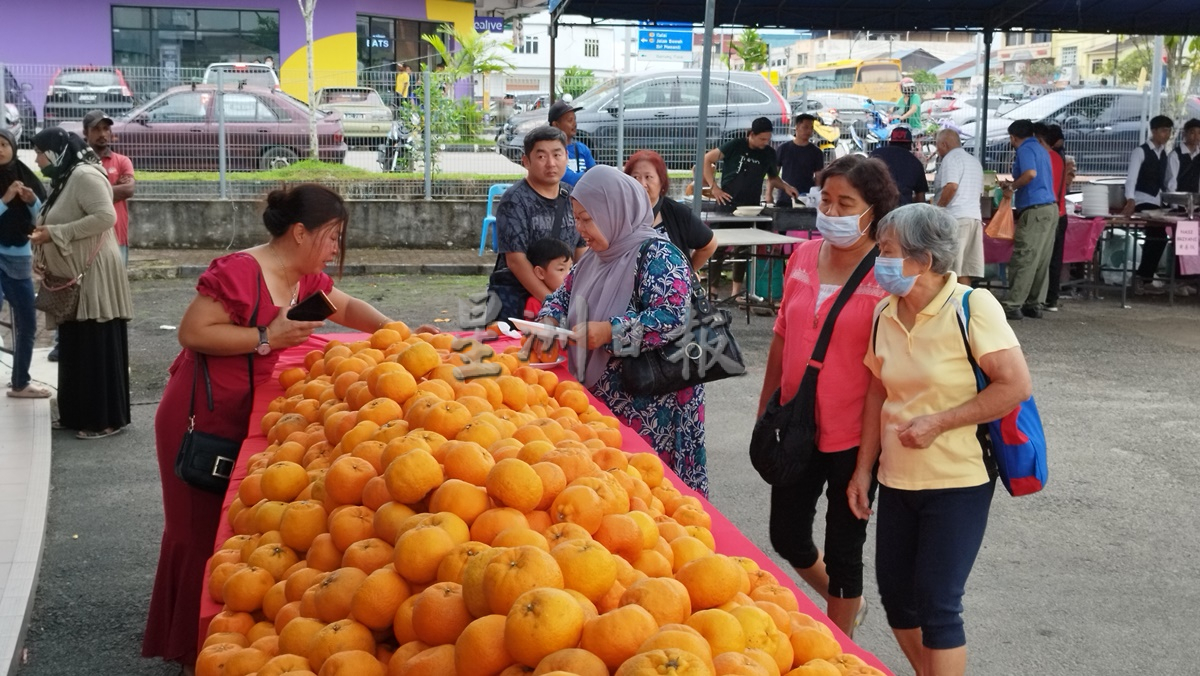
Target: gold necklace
{"points": [[286, 278]]}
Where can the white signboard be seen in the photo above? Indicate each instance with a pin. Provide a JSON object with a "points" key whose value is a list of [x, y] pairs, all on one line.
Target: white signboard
{"points": [[1187, 238]]}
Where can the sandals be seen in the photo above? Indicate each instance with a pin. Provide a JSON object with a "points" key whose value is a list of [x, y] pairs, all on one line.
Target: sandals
{"points": [[30, 391], [99, 434], [861, 615]]}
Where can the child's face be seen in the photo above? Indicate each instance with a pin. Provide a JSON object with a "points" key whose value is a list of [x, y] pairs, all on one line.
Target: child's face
{"points": [[554, 272]]}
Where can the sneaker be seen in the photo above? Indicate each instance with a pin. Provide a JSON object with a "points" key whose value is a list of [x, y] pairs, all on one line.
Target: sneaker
{"points": [[1013, 314], [1143, 287], [53, 356], [1032, 311], [30, 391], [1050, 307]]}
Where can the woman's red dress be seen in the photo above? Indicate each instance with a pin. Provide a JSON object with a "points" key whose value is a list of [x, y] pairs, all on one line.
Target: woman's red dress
{"points": [[191, 515]]}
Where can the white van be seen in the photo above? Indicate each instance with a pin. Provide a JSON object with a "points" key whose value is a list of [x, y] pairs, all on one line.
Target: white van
{"points": [[254, 74]]}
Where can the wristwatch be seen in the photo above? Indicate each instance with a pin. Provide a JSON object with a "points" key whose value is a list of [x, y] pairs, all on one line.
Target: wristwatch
{"points": [[264, 347]]}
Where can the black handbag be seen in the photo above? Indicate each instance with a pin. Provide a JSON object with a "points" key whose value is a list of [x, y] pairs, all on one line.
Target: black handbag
{"points": [[785, 437], [206, 461], [702, 350]]}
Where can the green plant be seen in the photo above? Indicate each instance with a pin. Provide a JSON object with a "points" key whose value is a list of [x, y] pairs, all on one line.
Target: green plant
{"points": [[754, 52], [924, 77], [575, 81]]}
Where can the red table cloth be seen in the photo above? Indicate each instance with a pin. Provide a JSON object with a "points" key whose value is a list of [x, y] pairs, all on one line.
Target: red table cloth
{"points": [[729, 539]]}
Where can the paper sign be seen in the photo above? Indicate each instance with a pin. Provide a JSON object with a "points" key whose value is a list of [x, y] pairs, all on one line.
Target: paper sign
{"points": [[1187, 238]]}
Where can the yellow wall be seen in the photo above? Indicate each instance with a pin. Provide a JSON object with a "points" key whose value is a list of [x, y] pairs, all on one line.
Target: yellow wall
{"points": [[461, 14], [334, 65]]}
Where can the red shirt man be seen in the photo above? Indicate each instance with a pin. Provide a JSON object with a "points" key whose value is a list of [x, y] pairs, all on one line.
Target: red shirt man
{"points": [[97, 128]]}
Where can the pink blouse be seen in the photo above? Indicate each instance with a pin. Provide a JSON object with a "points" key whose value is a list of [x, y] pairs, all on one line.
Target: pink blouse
{"points": [[842, 386]]}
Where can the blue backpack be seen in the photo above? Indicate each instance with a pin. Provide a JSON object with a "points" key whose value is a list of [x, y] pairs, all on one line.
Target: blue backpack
{"points": [[1014, 447]]}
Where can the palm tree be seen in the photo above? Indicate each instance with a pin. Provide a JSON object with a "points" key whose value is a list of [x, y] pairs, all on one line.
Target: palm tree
{"points": [[754, 52], [474, 53]]}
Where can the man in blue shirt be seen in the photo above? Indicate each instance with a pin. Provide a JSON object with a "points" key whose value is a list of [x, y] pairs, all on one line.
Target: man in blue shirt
{"points": [[1036, 217], [579, 158]]}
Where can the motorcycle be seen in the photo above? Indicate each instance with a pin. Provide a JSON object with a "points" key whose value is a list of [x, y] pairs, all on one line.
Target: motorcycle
{"points": [[398, 152], [866, 136]]}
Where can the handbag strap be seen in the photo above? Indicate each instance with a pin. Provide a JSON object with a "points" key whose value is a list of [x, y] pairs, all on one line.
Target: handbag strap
{"points": [[560, 212], [818, 354], [202, 363], [78, 278]]}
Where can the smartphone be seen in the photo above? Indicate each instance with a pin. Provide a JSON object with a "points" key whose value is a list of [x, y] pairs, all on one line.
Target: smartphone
{"points": [[315, 308]]}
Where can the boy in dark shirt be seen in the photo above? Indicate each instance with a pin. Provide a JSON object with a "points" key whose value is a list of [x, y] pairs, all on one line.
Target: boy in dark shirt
{"points": [[799, 161]]}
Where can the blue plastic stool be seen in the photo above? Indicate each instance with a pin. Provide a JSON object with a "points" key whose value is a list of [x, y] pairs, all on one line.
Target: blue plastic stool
{"points": [[489, 221]]}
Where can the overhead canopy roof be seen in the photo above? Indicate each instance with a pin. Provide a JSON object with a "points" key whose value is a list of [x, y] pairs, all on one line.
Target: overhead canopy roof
{"points": [[1143, 17]]}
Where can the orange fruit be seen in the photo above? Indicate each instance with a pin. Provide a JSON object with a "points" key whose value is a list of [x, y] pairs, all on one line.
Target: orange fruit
{"points": [[435, 661], [375, 493], [349, 524], [587, 567], [353, 663], [346, 478], [245, 661], [666, 599], [621, 535], [491, 522], [447, 418], [323, 555], [679, 637], [616, 635], [380, 410], [368, 555], [399, 386], [670, 661], [335, 593], [738, 664], [710, 580], [579, 505], [811, 644], [571, 661], [212, 660], [337, 637], [459, 498], [230, 621], [377, 599], [283, 481], [722, 631], [226, 637], [413, 475], [542, 621], [274, 558], [440, 614], [245, 589], [469, 462], [479, 650], [516, 571], [388, 518], [513, 483], [419, 359], [777, 594], [296, 637], [299, 581], [553, 482], [419, 552]]}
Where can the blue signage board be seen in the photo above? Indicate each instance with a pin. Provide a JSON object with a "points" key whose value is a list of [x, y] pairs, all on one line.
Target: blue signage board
{"points": [[489, 24], [657, 40]]}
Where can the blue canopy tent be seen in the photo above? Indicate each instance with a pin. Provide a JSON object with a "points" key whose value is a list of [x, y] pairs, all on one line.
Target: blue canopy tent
{"points": [[1144, 17]]}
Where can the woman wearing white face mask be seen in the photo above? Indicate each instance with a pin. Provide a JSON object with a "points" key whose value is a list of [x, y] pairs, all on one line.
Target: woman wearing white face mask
{"points": [[855, 193], [919, 422]]}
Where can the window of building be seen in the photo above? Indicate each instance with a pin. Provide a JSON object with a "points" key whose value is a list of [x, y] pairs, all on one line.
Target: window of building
{"points": [[1014, 39], [802, 60], [1069, 55], [385, 43], [1035, 38], [530, 46], [591, 48], [177, 39], [1097, 66]]}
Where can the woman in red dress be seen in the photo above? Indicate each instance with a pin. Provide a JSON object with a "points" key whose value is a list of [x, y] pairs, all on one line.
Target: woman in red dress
{"points": [[234, 324]]}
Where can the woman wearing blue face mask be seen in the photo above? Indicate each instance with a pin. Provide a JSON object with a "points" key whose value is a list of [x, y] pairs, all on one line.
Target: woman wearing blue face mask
{"points": [[919, 422], [855, 193]]}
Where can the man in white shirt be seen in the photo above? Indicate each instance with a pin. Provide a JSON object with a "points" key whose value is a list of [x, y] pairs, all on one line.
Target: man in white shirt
{"points": [[958, 187], [1183, 167], [1144, 182]]}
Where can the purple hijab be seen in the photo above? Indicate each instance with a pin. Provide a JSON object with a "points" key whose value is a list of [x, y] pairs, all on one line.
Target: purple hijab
{"points": [[605, 280]]}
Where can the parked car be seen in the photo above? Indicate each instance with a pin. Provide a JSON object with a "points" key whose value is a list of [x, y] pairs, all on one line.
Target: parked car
{"points": [[78, 89], [12, 121], [1101, 127], [661, 113], [847, 108], [254, 74], [964, 109], [265, 129], [366, 119], [16, 93]]}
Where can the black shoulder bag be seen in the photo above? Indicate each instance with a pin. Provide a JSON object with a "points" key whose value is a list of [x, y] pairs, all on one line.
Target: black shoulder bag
{"points": [[701, 350], [206, 461], [785, 437], [504, 283]]}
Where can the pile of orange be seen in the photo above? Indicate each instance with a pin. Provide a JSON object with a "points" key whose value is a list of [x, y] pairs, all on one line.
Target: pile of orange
{"points": [[405, 521]]}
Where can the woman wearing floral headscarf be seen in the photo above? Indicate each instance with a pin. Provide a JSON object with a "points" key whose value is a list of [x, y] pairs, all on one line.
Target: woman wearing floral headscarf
{"points": [[21, 196], [74, 236], [632, 288]]}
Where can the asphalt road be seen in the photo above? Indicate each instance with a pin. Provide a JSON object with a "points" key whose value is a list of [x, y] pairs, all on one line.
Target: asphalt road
{"points": [[1096, 575]]}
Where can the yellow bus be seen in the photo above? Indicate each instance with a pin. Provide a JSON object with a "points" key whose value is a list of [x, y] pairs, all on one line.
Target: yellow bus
{"points": [[876, 78]]}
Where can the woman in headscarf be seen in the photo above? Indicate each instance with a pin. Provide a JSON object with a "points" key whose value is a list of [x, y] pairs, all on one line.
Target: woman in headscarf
{"points": [[21, 196], [74, 236], [631, 289]]}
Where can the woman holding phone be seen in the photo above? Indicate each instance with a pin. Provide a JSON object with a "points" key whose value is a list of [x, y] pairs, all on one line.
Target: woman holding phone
{"points": [[232, 334]]}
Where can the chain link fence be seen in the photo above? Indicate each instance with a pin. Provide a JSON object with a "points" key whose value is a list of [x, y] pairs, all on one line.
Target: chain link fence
{"points": [[235, 130]]}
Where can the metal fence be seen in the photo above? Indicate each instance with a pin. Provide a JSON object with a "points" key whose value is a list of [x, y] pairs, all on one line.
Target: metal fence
{"points": [[434, 135]]}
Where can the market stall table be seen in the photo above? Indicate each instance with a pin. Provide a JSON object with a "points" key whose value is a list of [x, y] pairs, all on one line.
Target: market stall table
{"points": [[1135, 226], [729, 539], [752, 238]]}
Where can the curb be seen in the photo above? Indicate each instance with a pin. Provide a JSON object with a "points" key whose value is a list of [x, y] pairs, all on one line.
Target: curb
{"points": [[363, 269]]}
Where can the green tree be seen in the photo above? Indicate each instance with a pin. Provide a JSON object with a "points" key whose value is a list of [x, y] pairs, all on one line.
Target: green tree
{"points": [[924, 77], [575, 81], [1181, 64], [474, 52], [754, 52]]}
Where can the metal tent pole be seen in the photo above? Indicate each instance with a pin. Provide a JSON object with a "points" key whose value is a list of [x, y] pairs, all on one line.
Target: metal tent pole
{"points": [[710, 12], [981, 142]]}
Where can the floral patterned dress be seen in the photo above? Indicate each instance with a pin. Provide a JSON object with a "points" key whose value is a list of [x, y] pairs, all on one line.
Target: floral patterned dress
{"points": [[673, 424]]}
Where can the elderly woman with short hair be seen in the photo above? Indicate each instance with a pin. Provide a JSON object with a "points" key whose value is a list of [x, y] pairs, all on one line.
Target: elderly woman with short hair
{"points": [[919, 423]]}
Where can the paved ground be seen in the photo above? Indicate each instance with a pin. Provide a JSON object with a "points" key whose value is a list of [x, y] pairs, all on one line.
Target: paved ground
{"points": [[1094, 576]]}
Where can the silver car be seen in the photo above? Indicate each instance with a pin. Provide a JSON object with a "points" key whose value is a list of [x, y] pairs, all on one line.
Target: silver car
{"points": [[366, 119]]}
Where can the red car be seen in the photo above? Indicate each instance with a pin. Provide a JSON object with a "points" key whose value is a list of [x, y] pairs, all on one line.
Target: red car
{"points": [[264, 129]]}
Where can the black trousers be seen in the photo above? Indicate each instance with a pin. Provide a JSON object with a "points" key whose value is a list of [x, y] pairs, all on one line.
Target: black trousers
{"points": [[1056, 262], [1152, 248]]}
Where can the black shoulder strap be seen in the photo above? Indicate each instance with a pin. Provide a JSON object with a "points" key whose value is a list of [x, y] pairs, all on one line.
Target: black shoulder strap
{"points": [[560, 212], [864, 266], [201, 364]]}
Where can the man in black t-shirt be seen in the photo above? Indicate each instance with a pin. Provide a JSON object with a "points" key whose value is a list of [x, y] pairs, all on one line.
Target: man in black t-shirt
{"points": [[745, 162], [799, 161], [905, 168]]}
